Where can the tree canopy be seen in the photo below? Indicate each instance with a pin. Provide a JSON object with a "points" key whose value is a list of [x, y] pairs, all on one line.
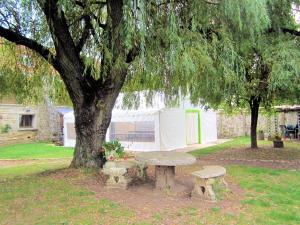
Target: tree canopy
{"points": [[179, 47]]}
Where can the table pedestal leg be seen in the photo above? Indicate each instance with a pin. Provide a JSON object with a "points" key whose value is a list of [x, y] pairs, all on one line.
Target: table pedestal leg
{"points": [[164, 177]]}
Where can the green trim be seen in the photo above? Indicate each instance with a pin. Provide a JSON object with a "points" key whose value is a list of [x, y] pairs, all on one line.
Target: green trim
{"points": [[199, 122]]}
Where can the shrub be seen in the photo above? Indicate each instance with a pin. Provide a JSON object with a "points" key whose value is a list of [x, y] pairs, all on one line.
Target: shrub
{"points": [[276, 137], [5, 129], [113, 150]]}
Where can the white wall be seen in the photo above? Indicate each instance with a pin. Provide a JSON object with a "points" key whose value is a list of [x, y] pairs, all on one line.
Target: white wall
{"points": [[208, 122], [172, 129], [140, 115]]}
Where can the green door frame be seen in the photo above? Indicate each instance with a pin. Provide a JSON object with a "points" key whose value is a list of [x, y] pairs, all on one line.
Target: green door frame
{"points": [[199, 122]]}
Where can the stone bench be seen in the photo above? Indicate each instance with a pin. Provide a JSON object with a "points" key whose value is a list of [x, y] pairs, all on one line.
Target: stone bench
{"points": [[121, 173], [205, 179]]}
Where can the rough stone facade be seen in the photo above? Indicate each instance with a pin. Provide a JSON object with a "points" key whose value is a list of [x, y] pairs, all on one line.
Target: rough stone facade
{"points": [[46, 120], [239, 124], [10, 114], [49, 125]]}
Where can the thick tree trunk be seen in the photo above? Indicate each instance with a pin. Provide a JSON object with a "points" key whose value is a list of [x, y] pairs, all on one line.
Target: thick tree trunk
{"points": [[91, 123], [254, 106], [91, 126], [93, 99]]}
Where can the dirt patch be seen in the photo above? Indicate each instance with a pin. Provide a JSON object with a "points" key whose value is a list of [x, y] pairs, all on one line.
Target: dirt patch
{"points": [[4, 163], [9, 163], [146, 201]]}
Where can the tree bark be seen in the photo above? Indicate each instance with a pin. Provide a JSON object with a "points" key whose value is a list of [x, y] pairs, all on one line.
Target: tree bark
{"points": [[91, 123], [93, 99], [92, 120], [254, 107]]}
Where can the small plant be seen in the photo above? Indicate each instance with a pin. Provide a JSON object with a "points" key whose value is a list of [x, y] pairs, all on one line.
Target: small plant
{"points": [[261, 135], [5, 129], [277, 141], [113, 150], [276, 137]]}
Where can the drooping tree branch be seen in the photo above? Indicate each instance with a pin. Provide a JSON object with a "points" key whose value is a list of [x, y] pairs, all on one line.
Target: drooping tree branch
{"points": [[29, 43], [97, 19], [291, 31], [285, 30], [63, 41], [85, 34]]}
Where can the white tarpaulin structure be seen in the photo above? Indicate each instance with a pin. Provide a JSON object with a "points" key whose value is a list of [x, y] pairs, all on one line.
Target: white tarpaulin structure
{"points": [[154, 129]]}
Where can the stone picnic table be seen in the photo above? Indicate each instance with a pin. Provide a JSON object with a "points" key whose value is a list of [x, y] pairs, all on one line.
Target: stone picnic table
{"points": [[165, 163]]}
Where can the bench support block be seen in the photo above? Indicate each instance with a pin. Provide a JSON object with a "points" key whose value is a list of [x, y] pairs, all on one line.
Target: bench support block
{"points": [[204, 188], [164, 177]]}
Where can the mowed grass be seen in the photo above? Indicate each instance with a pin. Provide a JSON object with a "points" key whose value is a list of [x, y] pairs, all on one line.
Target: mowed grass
{"points": [[272, 196], [27, 196], [240, 142], [44, 200], [35, 151], [32, 168]]}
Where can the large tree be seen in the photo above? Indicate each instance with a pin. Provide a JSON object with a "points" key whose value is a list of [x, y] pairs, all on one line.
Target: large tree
{"points": [[262, 69], [91, 45], [95, 45], [245, 54]]}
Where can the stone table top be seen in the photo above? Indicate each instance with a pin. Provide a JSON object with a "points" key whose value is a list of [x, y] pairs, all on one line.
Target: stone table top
{"points": [[164, 158], [210, 172]]}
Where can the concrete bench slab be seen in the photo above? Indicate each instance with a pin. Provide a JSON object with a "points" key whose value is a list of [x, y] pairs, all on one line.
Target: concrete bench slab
{"points": [[210, 172]]}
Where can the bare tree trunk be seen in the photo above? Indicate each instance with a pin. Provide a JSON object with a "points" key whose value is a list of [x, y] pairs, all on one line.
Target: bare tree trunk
{"points": [[91, 123], [254, 106]]}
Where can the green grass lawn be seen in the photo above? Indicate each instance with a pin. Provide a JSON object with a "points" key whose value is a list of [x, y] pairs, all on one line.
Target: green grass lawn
{"points": [[33, 168], [35, 151], [40, 200], [240, 142], [271, 197]]}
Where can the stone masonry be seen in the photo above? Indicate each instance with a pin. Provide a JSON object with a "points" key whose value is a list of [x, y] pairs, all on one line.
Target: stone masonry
{"points": [[239, 124], [46, 120]]}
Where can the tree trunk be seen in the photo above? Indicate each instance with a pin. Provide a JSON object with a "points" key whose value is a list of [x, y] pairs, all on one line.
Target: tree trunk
{"points": [[254, 106], [93, 99], [91, 123]]}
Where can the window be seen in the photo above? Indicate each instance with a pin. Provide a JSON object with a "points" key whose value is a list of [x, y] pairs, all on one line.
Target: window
{"points": [[138, 131], [26, 121]]}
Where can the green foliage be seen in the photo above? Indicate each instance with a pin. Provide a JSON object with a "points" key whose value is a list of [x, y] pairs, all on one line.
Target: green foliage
{"points": [[5, 129], [200, 49], [276, 137], [29, 78], [215, 54], [113, 150]]}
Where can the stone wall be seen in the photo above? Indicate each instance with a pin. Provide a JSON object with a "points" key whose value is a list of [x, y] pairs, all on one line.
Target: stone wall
{"points": [[46, 120], [49, 127], [10, 114], [17, 137], [239, 124]]}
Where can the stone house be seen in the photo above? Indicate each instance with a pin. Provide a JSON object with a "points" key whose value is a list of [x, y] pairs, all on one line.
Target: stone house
{"points": [[27, 123]]}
